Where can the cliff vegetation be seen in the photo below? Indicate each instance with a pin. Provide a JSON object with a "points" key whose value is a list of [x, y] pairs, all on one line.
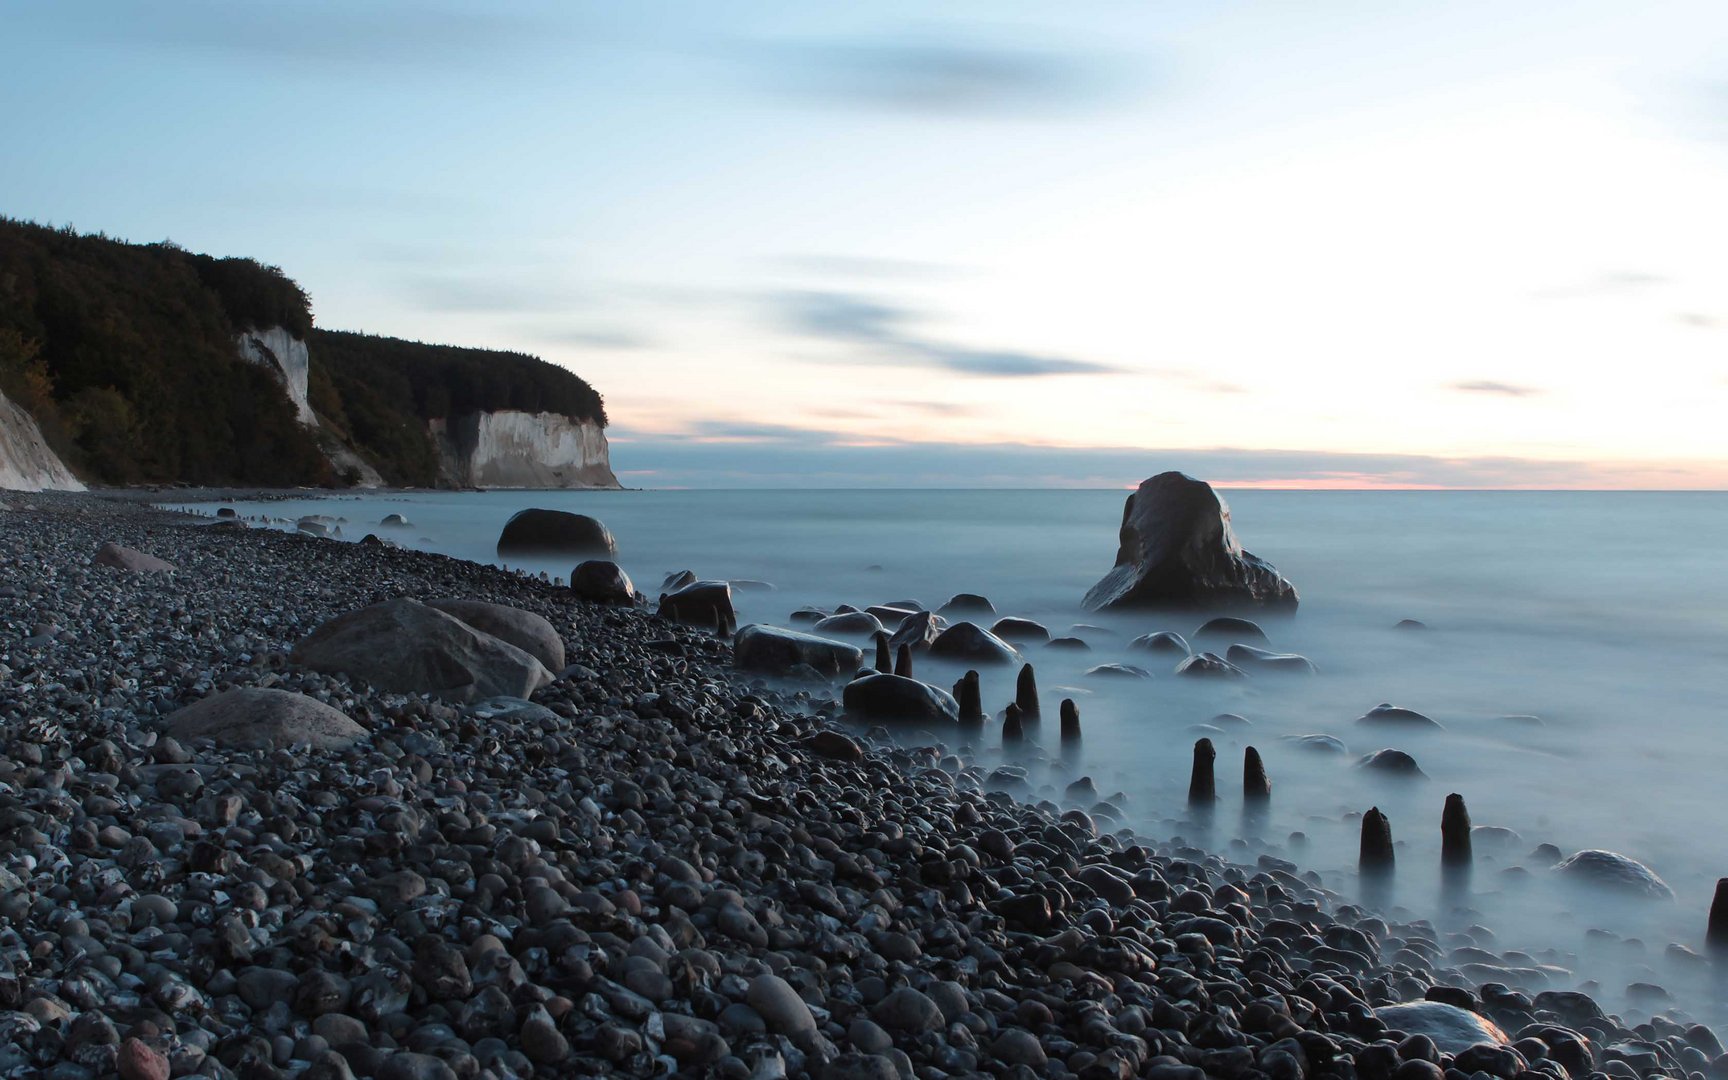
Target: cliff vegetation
{"points": [[125, 355]]}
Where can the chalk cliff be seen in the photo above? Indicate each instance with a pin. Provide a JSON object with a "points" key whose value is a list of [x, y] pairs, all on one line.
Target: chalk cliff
{"points": [[510, 449], [286, 356], [26, 463]]}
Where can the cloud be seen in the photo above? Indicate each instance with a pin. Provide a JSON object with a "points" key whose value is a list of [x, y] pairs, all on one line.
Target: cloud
{"points": [[1488, 386], [885, 335], [939, 77], [328, 34], [865, 267], [1618, 283], [741, 454], [595, 338]]}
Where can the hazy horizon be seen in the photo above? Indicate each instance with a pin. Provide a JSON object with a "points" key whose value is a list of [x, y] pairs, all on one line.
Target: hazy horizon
{"points": [[1449, 246]]}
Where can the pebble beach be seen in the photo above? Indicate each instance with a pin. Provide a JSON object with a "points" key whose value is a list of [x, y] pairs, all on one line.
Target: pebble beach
{"points": [[651, 865]]}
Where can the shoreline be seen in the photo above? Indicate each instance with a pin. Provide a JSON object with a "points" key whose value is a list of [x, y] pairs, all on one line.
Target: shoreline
{"points": [[713, 855]]}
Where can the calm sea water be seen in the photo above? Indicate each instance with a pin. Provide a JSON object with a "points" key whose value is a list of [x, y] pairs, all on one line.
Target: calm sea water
{"points": [[1603, 614]]}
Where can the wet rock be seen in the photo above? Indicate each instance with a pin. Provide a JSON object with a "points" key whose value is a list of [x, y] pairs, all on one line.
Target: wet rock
{"points": [[1177, 549], [407, 647], [1249, 658], [1376, 855], [533, 634], [1391, 762], [916, 631], [834, 745], [1165, 642], [1026, 691], [1020, 631], [602, 581], [1229, 630], [907, 1010], [968, 643], [555, 532], [1117, 671], [1207, 665], [1322, 744], [1455, 848], [700, 603], [967, 604], [896, 698], [1453, 1030], [125, 558], [1614, 873], [859, 623], [773, 650], [253, 719], [1387, 715], [137, 1060]]}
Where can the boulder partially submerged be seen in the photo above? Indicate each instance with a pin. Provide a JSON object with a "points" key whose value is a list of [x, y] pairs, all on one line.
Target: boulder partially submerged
{"points": [[1453, 1030], [1177, 550], [555, 532], [1612, 872], [896, 698], [602, 581], [405, 647], [776, 651], [701, 603], [969, 643]]}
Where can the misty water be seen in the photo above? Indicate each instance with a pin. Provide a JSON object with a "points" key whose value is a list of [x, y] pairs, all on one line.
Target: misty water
{"points": [[1600, 614]]}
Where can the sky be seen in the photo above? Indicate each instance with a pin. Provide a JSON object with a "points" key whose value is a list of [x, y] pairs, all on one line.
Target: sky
{"points": [[971, 244]]}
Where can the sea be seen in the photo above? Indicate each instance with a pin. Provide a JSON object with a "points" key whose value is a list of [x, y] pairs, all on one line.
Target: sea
{"points": [[1575, 658]]}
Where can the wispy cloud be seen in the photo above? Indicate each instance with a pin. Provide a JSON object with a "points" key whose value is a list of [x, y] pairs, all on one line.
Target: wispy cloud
{"points": [[938, 76], [1617, 283], [356, 37], [1489, 386], [587, 338], [865, 267], [886, 334], [761, 455]]}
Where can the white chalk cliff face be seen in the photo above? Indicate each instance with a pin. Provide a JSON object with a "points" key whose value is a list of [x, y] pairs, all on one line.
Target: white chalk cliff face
{"points": [[26, 463], [523, 450], [285, 355]]}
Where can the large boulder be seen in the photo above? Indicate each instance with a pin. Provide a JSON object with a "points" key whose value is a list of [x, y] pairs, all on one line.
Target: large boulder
{"points": [[1389, 762], [555, 532], [1021, 630], [531, 633], [125, 558], [775, 651], [1177, 550], [969, 643], [249, 718], [701, 603], [860, 623], [1615, 873], [405, 647], [1248, 658], [603, 581], [895, 698], [1453, 1029]]}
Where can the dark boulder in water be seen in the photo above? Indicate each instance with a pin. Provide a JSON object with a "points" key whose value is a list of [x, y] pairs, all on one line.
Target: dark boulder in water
{"points": [[861, 623], [775, 651], [1249, 658], [1073, 644], [535, 531], [808, 615], [1613, 872], [1209, 666], [969, 643], [1410, 624], [1020, 630], [1390, 762], [1177, 549], [1118, 671], [1164, 641], [1229, 630], [899, 699], [677, 579], [1325, 744], [967, 604], [917, 630], [602, 581], [701, 603], [1385, 715]]}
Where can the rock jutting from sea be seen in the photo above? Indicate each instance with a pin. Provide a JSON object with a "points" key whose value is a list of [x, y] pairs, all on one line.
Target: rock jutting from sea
{"points": [[652, 865], [1178, 550]]}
